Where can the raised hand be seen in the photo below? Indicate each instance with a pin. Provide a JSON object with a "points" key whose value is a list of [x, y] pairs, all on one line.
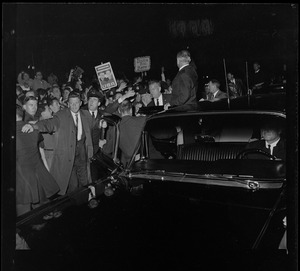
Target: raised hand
{"points": [[129, 93]]}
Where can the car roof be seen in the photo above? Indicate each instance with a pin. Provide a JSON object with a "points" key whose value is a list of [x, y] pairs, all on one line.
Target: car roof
{"points": [[275, 102]]}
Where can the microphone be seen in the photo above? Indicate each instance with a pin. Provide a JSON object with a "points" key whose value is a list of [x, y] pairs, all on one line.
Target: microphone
{"points": [[103, 126]]}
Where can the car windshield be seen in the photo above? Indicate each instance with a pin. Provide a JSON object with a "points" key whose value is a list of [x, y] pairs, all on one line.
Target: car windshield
{"points": [[168, 135]]}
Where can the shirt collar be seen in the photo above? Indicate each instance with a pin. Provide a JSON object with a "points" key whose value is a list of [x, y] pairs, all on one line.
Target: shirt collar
{"points": [[183, 66], [73, 114], [95, 112], [215, 93], [273, 144]]}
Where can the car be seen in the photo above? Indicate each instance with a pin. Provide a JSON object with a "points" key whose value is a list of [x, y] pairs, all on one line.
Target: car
{"points": [[190, 186]]}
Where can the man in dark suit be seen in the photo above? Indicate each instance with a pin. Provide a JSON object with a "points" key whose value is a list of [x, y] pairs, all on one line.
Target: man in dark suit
{"points": [[271, 142], [158, 99], [258, 80], [130, 131], [94, 101], [72, 144], [185, 84], [238, 88], [215, 93]]}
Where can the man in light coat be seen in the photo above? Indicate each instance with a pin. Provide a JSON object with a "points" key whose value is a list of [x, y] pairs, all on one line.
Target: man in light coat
{"points": [[72, 144]]}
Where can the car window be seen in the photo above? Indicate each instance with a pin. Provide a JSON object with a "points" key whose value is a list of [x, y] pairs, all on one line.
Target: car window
{"points": [[166, 134]]}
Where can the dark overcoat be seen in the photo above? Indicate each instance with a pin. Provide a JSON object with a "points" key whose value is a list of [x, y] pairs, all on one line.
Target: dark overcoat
{"points": [[184, 88], [279, 150]]}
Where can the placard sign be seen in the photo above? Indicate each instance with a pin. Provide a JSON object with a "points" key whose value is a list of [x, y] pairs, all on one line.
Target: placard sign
{"points": [[106, 76], [142, 64]]}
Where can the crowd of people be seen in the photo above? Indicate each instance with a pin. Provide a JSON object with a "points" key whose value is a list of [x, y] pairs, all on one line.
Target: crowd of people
{"points": [[59, 124]]}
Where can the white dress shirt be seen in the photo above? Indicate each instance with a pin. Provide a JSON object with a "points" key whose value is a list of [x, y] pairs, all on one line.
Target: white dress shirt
{"points": [[183, 66], [272, 145], [95, 112], [79, 127], [214, 94]]}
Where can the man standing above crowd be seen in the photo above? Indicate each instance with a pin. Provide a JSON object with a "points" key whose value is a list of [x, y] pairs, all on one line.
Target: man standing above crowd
{"points": [[185, 84], [72, 144]]}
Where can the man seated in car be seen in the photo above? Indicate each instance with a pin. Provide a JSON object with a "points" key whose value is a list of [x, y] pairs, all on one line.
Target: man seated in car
{"points": [[271, 141]]}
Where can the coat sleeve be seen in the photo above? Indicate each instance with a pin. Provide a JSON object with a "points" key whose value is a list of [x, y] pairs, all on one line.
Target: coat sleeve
{"points": [[48, 125]]}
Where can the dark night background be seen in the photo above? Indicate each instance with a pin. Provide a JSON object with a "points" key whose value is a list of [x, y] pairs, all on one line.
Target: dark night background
{"points": [[56, 37]]}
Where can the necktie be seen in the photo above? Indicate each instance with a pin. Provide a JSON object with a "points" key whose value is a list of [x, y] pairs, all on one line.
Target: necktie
{"points": [[93, 113], [156, 102], [269, 149], [76, 125]]}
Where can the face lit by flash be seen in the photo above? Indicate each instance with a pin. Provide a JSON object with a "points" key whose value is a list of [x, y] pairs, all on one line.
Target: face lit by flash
{"points": [[93, 103], [31, 107], [74, 104], [270, 135]]}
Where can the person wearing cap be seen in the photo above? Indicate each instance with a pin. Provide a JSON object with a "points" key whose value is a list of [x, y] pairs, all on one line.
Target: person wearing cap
{"points": [[92, 107], [94, 102], [185, 84], [271, 142], [73, 145]]}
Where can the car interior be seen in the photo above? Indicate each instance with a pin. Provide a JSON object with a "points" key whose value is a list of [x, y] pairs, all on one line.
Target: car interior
{"points": [[203, 138]]}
